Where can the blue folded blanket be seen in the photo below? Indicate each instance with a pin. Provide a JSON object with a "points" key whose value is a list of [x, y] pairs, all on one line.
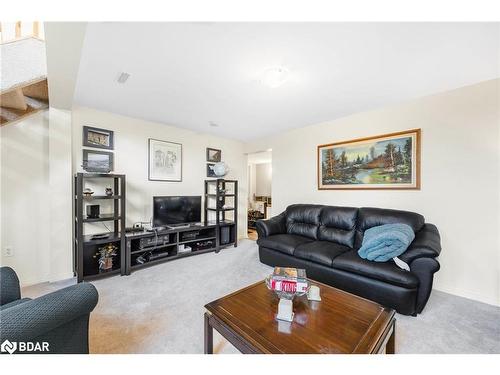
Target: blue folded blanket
{"points": [[385, 242]]}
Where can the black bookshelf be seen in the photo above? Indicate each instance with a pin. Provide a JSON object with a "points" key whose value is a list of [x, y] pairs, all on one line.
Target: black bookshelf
{"points": [[86, 267], [221, 198]]}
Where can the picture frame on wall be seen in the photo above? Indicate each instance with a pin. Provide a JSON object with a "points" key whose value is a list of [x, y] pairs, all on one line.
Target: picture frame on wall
{"points": [[210, 170], [97, 161], [388, 161], [164, 161], [214, 155], [98, 138]]}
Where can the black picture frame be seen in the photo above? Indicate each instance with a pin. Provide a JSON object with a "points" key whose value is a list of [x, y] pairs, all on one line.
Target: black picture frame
{"points": [[96, 168], [214, 155], [89, 132], [210, 171]]}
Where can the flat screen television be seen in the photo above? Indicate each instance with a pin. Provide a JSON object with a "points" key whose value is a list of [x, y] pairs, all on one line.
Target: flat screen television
{"points": [[176, 210]]}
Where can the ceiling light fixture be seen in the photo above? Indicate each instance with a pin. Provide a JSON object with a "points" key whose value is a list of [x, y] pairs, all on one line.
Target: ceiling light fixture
{"points": [[275, 76], [213, 124], [123, 77]]}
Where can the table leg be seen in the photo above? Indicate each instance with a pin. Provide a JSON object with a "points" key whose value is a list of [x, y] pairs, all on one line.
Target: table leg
{"points": [[209, 336], [391, 344]]}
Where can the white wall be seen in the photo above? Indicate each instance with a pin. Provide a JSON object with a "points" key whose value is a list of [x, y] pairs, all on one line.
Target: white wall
{"points": [[263, 179], [460, 178], [131, 158], [36, 196]]}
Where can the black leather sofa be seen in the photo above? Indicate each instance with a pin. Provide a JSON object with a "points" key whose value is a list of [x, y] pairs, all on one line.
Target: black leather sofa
{"points": [[324, 241]]}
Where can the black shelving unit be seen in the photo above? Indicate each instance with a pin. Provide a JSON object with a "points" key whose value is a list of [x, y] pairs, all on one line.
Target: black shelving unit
{"points": [[217, 203], [86, 267], [165, 244]]}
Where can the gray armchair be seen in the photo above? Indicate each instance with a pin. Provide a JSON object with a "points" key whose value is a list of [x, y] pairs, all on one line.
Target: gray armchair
{"points": [[60, 318]]}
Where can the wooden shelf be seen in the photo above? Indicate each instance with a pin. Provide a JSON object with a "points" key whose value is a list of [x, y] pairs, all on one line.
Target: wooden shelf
{"points": [[99, 175], [102, 217], [101, 275], [87, 239], [196, 240], [85, 265], [172, 257], [92, 197], [221, 209], [152, 248]]}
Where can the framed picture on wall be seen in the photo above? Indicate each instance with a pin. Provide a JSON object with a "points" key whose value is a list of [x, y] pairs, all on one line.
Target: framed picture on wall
{"points": [[210, 170], [165, 161], [97, 161], [389, 161], [214, 155], [97, 138]]}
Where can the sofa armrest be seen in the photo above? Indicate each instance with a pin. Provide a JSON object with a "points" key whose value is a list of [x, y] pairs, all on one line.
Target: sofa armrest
{"points": [[274, 225], [28, 320], [427, 244], [9, 286]]}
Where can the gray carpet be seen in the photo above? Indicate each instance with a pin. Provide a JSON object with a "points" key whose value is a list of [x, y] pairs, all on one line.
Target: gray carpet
{"points": [[160, 309]]}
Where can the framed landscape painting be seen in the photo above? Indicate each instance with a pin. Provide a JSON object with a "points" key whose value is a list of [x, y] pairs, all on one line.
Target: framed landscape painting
{"points": [[389, 161], [165, 161]]}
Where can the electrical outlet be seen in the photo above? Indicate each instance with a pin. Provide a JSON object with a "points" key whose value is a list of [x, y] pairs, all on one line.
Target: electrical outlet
{"points": [[8, 251]]}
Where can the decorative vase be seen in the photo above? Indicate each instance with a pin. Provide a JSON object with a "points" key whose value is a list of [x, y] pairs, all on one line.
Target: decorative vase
{"points": [[106, 264]]}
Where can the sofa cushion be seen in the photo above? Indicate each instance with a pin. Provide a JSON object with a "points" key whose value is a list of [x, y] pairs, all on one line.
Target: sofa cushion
{"points": [[303, 220], [383, 271], [338, 224], [322, 252], [369, 217], [285, 243]]}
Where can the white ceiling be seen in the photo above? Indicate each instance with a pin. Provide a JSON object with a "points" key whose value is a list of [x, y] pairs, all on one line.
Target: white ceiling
{"points": [[188, 74]]}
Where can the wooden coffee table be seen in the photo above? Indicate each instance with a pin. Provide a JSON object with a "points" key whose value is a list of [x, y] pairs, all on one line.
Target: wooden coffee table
{"points": [[341, 323]]}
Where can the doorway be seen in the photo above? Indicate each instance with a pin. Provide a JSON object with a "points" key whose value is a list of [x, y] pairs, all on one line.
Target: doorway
{"points": [[259, 189]]}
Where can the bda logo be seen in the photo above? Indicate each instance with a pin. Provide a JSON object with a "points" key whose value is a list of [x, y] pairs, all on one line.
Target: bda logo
{"points": [[8, 346]]}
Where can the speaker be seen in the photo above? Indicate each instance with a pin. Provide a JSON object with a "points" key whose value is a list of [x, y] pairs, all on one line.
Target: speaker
{"points": [[93, 211], [224, 235]]}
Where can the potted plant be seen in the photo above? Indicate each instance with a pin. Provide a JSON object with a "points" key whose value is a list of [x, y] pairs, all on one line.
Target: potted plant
{"points": [[106, 254]]}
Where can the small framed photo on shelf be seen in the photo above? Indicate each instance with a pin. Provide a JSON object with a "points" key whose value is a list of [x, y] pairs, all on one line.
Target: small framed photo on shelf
{"points": [[97, 161], [214, 155], [210, 170], [98, 138]]}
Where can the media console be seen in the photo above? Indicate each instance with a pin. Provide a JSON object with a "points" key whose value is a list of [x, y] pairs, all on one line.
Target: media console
{"points": [[148, 248]]}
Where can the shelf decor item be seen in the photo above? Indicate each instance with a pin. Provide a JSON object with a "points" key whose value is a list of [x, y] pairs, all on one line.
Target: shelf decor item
{"points": [[106, 255], [214, 155], [165, 161], [88, 192], [97, 161], [108, 192], [389, 161], [287, 283], [98, 138], [220, 169]]}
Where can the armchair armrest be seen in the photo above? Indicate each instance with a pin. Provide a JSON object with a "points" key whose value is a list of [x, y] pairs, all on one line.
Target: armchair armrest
{"points": [[275, 225], [9, 286], [427, 244], [28, 320]]}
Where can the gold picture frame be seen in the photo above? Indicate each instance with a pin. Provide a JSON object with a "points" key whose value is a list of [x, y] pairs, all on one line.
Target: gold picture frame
{"points": [[389, 161]]}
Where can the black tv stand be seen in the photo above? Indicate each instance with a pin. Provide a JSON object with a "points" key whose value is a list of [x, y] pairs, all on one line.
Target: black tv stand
{"points": [[148, 248]]}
